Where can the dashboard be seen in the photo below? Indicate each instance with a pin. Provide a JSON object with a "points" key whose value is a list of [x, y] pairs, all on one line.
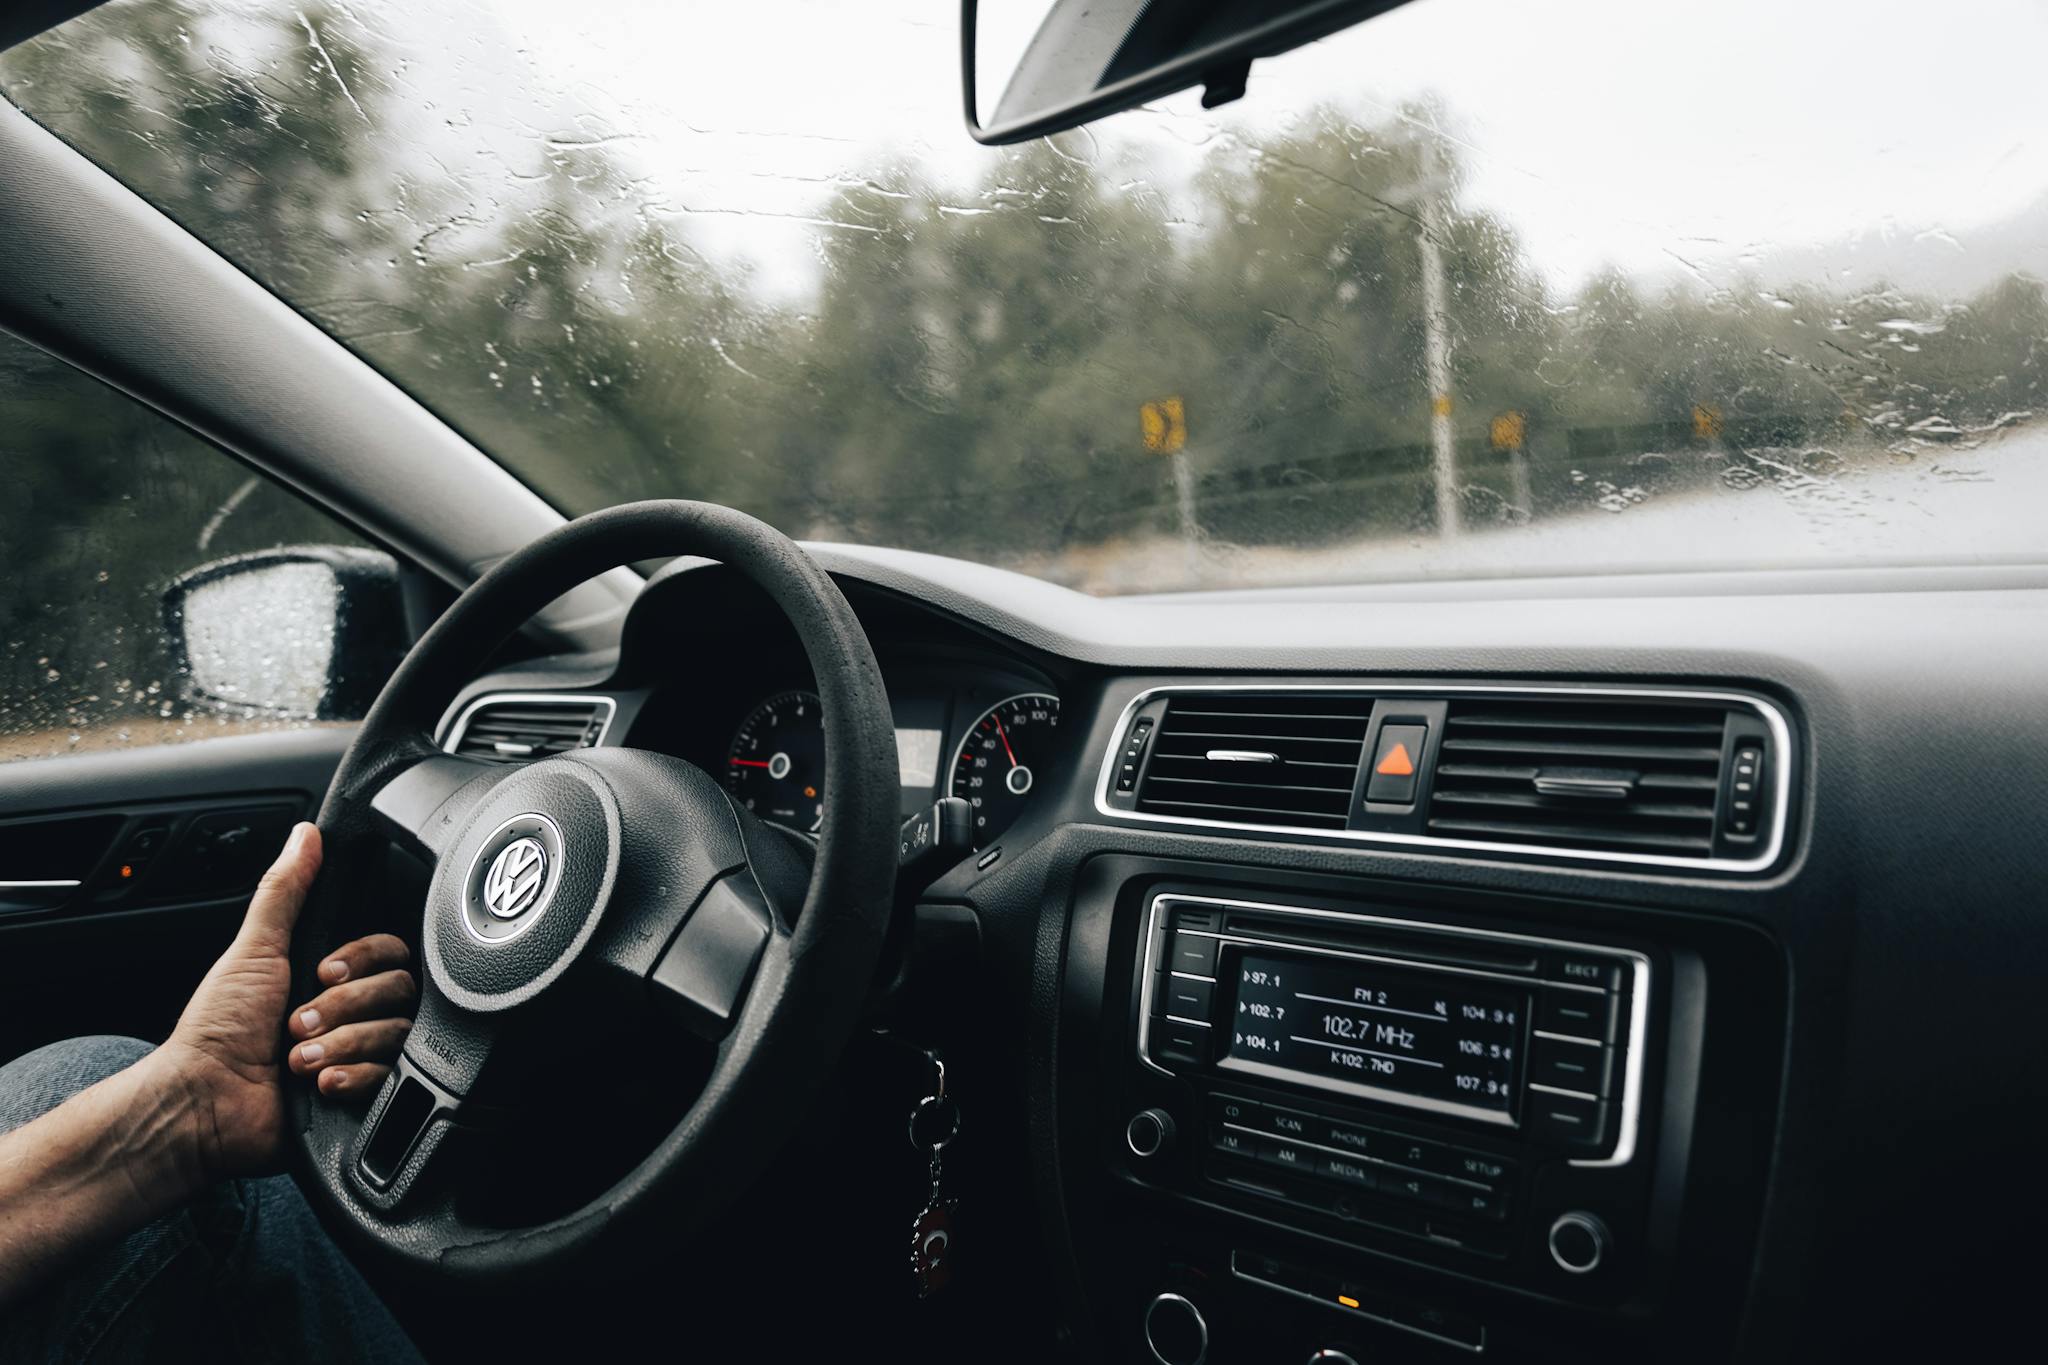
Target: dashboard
{"points": [[1511, 971], [973, 720]]}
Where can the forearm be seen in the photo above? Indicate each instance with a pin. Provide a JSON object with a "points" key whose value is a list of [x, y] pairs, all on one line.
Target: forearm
{"points": [[98, 1166]]}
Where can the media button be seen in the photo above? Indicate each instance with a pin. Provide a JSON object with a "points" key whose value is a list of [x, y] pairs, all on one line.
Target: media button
{"points": [[1348, 1171]]}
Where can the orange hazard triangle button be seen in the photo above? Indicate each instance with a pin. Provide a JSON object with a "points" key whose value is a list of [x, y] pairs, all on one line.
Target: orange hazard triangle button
{"points": [[1397, 763]]}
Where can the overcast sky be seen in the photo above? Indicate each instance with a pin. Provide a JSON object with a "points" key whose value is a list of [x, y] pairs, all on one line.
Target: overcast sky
{"points": [[1604, 129], [1894, 136]]}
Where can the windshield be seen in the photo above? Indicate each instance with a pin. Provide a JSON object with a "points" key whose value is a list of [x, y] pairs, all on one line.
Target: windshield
{"points": [[1477, 288]]}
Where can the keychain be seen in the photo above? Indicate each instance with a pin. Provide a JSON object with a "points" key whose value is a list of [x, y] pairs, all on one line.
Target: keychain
{"points": [[934, 1123]]}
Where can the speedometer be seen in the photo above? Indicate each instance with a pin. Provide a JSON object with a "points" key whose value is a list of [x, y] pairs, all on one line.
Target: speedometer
{"points": [[776, 766], [1000, 758]]}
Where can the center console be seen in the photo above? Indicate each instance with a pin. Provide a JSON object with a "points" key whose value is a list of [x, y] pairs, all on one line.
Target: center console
{"points": [[1332, 1124], [1366, 1072]]}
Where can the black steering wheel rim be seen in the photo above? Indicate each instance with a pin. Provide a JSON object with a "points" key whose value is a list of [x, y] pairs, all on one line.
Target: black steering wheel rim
{"points": [[804, 1000]]}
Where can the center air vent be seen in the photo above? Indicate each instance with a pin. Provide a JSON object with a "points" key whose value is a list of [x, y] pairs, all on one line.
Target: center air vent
{"points": [[517, 729], [1598, 774], [1283, 758]]}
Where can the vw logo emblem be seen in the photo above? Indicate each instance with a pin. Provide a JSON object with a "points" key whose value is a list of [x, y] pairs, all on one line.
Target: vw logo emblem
{"points": [[515, 878]]}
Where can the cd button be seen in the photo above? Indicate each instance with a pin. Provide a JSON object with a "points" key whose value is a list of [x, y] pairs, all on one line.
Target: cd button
{"points": [[1231, 1109]]}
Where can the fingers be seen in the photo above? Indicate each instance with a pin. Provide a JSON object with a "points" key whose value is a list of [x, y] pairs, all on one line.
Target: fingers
{"points": [[274, 909], [364, 957], [361, 1079], [377, 1040], [383, 996]]}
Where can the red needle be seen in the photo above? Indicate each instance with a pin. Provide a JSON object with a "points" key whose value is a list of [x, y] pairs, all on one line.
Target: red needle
{"points": [[1005, 736], [749, 763]]}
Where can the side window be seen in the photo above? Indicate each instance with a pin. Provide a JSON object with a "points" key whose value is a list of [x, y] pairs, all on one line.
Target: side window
{"points": [[155, 591]]}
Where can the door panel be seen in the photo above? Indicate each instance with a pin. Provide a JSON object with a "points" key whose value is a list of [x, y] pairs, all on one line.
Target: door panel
{"points": [[161, 845]]}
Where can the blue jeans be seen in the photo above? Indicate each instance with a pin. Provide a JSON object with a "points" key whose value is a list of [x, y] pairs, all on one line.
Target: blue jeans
{"points": [[242, 1273]]}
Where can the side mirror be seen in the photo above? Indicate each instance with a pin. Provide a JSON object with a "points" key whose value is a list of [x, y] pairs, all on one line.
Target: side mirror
{"points": [[306, 631], [1058, 64]]}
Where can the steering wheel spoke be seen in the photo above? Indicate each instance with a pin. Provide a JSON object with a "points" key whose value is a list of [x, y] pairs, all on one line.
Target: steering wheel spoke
{"points": [[424, 1099], [423, 807], [703, 977]]}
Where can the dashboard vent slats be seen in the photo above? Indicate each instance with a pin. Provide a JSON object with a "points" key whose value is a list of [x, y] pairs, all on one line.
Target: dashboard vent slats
{"points": [[1595, 774], [1286, 759], [519, 731]]}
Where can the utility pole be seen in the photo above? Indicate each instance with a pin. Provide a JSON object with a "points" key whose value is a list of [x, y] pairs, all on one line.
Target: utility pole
{"points": [[1163, 425], [1437, 347]]}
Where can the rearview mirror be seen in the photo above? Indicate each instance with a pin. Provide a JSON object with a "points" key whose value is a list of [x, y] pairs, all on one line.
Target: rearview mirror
{"points": [[1033, 67], [308, 631]]}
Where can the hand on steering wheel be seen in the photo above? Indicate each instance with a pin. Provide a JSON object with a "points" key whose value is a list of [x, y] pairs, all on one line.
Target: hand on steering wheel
{"points": [[224, 1048], [605, 874]]}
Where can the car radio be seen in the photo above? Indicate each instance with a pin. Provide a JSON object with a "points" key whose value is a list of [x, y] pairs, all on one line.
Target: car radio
{"points": [[1392, 1075]]}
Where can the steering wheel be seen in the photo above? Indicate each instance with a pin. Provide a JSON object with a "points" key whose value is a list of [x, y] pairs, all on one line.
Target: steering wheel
{"points": [[599, 875]]}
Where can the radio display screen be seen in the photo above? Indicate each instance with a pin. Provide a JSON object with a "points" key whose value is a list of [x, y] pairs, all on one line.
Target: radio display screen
{"points": [[1448, 1041]]}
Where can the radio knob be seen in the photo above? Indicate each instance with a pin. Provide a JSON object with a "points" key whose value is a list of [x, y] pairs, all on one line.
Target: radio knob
{"points": [[1175, 1331], [1149, 1133], [1578, 1242]]}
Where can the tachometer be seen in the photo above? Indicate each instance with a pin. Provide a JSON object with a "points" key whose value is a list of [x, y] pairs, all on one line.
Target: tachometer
{"points": [[1000, 758], [777, 763]]}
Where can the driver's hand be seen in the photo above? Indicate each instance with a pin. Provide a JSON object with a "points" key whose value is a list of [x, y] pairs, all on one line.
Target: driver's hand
{"points": [[225, 1047], [350, 1032]]}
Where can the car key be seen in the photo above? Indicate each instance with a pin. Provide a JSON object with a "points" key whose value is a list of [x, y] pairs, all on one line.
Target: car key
{"points": [[934, 1123]]}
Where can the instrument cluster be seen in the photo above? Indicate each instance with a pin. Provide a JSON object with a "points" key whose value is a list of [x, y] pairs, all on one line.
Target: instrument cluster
{"points": [[775, 762]]}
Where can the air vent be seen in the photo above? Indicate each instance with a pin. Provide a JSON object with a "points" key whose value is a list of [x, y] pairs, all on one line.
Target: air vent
{"points": [[1249, 758], [518, 729], [1596, 774]]}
